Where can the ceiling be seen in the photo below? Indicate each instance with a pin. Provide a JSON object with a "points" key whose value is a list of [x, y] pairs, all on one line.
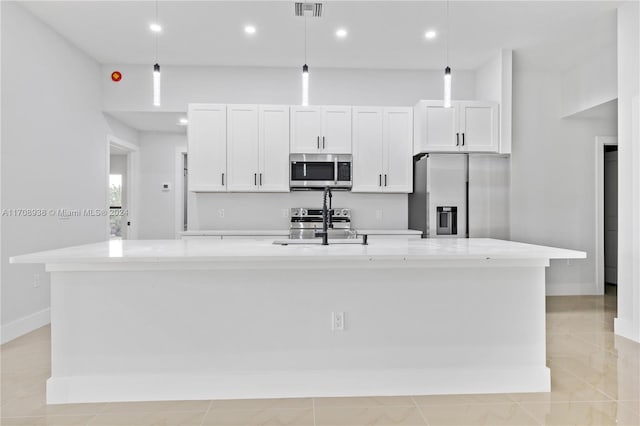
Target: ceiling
{"points": [[382, 34]]}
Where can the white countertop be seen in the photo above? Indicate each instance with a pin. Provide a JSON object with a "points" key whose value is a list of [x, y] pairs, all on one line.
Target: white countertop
{"points": [[187, 251], [281, 232]]}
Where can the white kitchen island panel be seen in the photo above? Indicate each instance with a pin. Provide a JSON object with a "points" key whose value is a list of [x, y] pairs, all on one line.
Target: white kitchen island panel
{"points": [[222, 322]]}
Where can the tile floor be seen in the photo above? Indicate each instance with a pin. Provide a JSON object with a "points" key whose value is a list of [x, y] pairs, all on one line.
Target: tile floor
{"points": [[595, 381]]}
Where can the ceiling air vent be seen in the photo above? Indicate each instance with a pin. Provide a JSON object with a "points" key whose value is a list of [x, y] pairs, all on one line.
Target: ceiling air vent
{"points": [[315, 9]]}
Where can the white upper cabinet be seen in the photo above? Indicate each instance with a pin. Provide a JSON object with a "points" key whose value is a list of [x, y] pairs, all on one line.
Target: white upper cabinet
{"points": [[207, 131], [273, 174], [367, 149], [242, 148], [479, 126], [467, 126], [382, 149], [320, 130], [398, 146]]}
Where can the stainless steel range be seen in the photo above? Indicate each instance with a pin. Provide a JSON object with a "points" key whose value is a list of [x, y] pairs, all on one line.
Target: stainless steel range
{"points": [[306, 221]]}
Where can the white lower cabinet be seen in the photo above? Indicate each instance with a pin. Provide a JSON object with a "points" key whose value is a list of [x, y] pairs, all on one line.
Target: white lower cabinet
{"points": [[258, 148], [382, 149]]}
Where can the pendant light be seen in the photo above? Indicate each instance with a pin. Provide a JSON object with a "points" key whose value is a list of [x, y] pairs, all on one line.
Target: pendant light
{"points": [[305, 69], [447, 70], [156, 70]]}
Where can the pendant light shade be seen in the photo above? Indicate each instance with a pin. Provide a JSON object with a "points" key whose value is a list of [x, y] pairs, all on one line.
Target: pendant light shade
{"points": [[156, 85], [305, 85], [447, 87]]}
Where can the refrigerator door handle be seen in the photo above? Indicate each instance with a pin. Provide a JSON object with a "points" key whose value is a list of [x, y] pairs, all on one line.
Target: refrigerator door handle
{"points": [[457, 139], [462, 139], [379, 180]]}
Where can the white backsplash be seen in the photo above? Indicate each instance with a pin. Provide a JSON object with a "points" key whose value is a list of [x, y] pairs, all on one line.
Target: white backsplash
{"points": [[208, 211]]}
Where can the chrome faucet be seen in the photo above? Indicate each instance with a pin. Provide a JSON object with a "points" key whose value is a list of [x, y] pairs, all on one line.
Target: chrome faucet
{"points": [[327, 213]]}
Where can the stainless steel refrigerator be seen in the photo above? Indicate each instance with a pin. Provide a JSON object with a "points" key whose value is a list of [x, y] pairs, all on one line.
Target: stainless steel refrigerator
{"points": [[460, 196]]}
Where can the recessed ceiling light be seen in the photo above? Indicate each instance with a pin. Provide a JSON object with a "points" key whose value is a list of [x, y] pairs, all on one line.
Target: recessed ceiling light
{"points": [[183, 121], [341, 33], [250, 29], [155, 27], [430, 35]]}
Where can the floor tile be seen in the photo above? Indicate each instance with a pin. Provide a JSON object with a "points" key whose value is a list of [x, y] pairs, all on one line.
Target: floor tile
{"points": [[155, 406], [182, 418], [355, 416], [47, 421], [565, 387], [261, 404], [385, 401], [582, 414], [477, 414], [497, 398], [268, 416], [34, 404]]}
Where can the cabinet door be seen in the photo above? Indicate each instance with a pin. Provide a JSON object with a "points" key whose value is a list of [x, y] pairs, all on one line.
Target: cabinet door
{"points": [[479, 126], [274, 149], [207, 150], [306, 130], [242, 147], [437, 128], [398, 143], [367, 150], [336, 134]]}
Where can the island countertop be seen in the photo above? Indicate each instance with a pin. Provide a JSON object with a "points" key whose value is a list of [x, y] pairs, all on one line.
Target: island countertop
{"points": [[172, 251]]}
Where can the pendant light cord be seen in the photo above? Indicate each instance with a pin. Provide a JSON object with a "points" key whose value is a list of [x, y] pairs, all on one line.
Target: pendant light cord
{"points": [[448, 32], [157, 34], [305, 37]]}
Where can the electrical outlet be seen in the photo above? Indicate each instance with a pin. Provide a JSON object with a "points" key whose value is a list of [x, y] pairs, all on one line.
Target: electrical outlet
{"points": [[221, 212], [285, 212], [36, 280], [379, 214], [337, 321]]}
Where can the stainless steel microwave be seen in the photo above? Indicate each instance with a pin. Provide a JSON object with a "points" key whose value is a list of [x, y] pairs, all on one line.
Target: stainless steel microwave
{"points": [[316, 171]]}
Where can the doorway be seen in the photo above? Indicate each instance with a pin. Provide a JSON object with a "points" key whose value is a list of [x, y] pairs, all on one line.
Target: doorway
{"points": [[607, 214], [121, 189]]}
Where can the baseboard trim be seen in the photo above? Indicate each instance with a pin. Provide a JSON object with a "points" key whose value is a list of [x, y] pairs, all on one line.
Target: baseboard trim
{"points": [[24, 325], [289, 384]]}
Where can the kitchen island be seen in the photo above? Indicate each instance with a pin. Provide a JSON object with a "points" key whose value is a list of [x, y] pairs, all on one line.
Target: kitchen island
{"points": [[220, 319]]}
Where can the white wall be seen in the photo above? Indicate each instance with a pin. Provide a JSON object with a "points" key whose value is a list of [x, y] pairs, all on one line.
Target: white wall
{"points": [[157, 166], [593, 80], [54, 155], [254, 85], [628, 322], [552, 177]]}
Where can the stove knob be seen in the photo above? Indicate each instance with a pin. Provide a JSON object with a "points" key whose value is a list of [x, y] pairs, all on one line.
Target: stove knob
{"points": [[303, 212], [337, 213], [345, 212]]}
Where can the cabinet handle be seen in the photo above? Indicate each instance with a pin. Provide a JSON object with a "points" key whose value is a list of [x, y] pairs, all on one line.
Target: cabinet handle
{"points": [[385, 179], [323, 142], [260, 179], [463, 139], [318, 142], [457, 139], [223, 179], [255, 179], [379, 180]]}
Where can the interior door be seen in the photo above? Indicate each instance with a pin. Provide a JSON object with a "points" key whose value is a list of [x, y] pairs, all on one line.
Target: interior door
{"points": [[367, 150], [306, 130], [274, 149], [611, 217], [398, 145], [336, 134], [242, 148]]}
